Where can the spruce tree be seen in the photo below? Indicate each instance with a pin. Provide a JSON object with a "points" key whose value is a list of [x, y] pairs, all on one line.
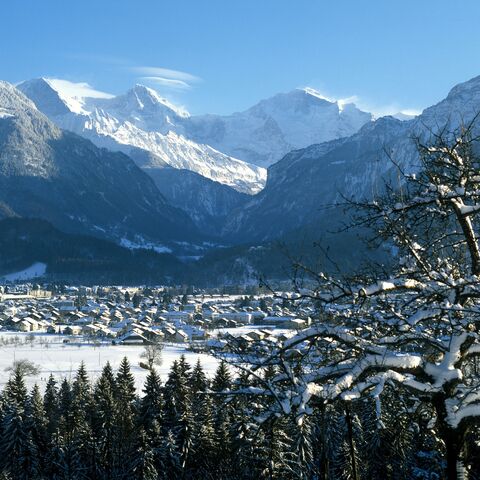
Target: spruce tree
{"points": [[81, 444], [151, 403], [15, 390], [203, 441], [18, 453], [144, 465], [125, 417], [51, 407], [222, 379], [177, 415], [104, 423], [37, 425], [222, 417], [50, 403], [170, 458]]}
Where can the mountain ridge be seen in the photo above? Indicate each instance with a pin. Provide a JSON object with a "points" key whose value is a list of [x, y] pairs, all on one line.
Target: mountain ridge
{"points": [[125, 121], [353, 167], [65, 179]]}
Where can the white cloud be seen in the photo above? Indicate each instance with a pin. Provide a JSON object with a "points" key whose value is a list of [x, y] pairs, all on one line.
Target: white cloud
{"points": [[76, 89], [166, 77], [393, 109], [377, 110], [168, 82], [328, 98], [412, 112], [166, 73]]}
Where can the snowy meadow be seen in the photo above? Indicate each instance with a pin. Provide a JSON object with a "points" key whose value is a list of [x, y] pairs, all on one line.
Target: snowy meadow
{"points": [[55, 356]]}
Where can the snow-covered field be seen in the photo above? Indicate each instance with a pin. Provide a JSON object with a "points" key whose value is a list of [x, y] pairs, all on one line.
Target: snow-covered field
{"points": [[63, 359], [36, 270]]}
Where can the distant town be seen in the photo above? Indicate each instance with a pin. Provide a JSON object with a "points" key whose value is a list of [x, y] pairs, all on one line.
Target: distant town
{"points": [[201, 321]]}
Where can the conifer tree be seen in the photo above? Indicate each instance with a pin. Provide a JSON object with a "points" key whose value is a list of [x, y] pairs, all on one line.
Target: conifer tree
{"points": [[177, 417], [15, 390], [170, 458], [222, 379], [80, 420], [222, 415], [151, 403], [65, 407], [18, 453], [50, 403], [125, 398], [203, 440], [144, 466], [37, 425], [104, 423]]}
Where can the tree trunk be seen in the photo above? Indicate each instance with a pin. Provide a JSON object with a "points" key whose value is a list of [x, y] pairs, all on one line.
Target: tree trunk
{"points": [[455, 467], [351, 442], [454, 441]]}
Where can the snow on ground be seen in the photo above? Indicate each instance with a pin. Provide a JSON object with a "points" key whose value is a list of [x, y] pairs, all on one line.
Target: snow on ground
{"points": [[237, 331], [38, 269], [63, 359], [125, 242]]}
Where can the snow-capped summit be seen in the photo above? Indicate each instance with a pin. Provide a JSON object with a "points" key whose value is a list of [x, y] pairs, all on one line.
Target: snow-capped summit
{"points": [[231, 149], [55, 97], [404, 116], [144, 108], [264, 133], [148, 98], [142, 120], [356, 167]]}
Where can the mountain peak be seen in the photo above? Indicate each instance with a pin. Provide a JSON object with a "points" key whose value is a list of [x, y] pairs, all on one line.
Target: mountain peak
{"points": [[469, 87], [12, 100], [47, 98], [314, 93], [461, 105], [146, 97], [146, 93]]}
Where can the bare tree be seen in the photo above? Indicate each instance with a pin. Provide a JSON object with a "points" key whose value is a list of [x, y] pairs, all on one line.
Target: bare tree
{"points": [[24, 367], [152, 354], [417, 329]]}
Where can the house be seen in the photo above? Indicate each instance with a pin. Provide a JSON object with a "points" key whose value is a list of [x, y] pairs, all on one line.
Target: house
{"points": [[133, 337], [69, 329], [175, 315], [243, 318], [198, 334], [27, 325], [181, 336], [191, 307], [92, 330], [66, 306], [255, 335], [174, 335]]}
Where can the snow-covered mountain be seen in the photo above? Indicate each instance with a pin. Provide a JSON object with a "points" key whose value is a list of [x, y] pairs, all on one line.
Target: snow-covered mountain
{"points": [[266, 132], [305, 182], [229, 149], [60, 177], [143, 120]]}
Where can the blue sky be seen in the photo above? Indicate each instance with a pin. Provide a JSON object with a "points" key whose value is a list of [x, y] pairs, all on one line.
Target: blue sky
{"points": [[223, 56]]}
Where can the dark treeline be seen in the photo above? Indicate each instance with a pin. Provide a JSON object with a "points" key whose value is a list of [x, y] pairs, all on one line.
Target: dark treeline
{"points": [[186, 429]]}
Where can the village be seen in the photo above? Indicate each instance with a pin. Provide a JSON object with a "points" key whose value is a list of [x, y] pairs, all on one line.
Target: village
{"points": [[144, 316]]}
